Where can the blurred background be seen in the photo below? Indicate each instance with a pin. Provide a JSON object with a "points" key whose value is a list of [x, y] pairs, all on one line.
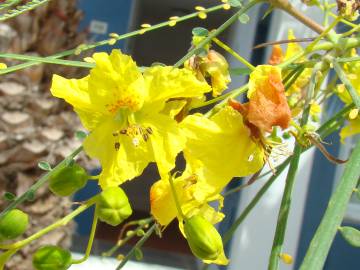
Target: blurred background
{"points": [[26, 136]]}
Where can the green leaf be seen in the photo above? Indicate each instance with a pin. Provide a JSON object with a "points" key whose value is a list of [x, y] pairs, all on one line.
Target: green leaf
{"points": [[80, 135], [235, 3], [200, 32], [239, 71], [9, 196], [138, 254], [244, 18], [351, 235], [44, 165], [30, 196]]}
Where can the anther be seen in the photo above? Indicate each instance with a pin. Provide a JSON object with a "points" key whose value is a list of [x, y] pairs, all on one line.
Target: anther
{"points": [[123, 131], [149, 130], [117, 146], [145, 137]]}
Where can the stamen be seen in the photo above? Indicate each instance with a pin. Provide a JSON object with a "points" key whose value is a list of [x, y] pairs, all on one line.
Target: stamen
{"points": [[136, 141], [145, 137], [117, 146], [149, 130]]}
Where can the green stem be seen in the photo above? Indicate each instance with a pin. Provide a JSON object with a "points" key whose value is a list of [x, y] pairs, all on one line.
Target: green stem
{"points": [[106, 41], [137, 246], [233, 53], [120, 242], [349, 87], [290, 181], [47, 60], [31, 191], [90, 241], [9, 3], [320, 244], [176, 199], [218, 31], [62, 222]]}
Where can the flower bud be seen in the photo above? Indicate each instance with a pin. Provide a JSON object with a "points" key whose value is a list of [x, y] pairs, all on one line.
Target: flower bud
{"points": [[51, 258], [68, 180], [204, 240], [13, 224], [113, 206]]}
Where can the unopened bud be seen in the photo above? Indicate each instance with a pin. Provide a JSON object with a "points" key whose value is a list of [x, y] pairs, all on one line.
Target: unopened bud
{"points": [[113, 206], [68, 180], [13, 224], [51, 258], [204, 240]]}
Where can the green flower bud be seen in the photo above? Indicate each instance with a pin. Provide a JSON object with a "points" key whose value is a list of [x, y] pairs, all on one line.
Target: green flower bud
{"points": [[51, 258], [68, 180], [13, 224], [204, 240], [113, 206]]}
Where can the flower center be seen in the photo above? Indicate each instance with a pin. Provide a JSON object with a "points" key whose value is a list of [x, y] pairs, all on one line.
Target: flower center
{"points": [[136, 132]]}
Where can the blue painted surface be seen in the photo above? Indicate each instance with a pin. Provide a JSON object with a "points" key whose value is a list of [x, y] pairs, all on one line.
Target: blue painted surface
{"points": [[115, 13]]}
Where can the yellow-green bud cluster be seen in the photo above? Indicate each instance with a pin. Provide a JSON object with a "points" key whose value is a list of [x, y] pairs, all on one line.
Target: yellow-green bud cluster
{"points": [[113, 206]]}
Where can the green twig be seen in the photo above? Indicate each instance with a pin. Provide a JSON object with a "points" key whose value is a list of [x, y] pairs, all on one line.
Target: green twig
{"points": [[62, 222], [21, 9], [90, 241], [290, 181], [9, 3], [320, 244], [31, 191], [215, 33], [137, 246], [47, 60], [85, 47]]}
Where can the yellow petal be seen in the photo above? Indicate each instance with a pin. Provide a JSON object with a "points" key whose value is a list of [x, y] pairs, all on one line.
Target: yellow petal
{"points": [[293, 48], [351, 129], [119, 165], [220, 148], [116, 82], [162, 202], [166, 141], [169, 82], [76, 93]]}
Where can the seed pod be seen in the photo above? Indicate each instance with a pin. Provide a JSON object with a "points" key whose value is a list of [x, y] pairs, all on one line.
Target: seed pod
{"points": [[13, 224], [68, 180], [51, 258], [204, 240], [113, 206]]}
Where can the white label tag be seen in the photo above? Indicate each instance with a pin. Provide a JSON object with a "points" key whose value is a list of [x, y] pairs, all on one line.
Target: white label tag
{"points": [[98, 27]]}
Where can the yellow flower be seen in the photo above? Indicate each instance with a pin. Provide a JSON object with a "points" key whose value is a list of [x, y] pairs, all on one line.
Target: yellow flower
{"points": [[123, 110], [352, 70], [214, 66], [217, 149]]}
